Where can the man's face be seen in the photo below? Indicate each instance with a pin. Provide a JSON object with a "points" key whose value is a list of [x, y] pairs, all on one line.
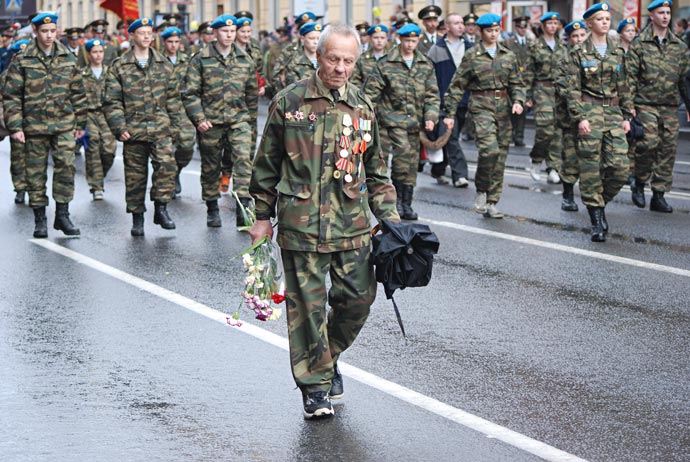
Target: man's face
{"points": [[521, 31], [207, 37], [193, 36], [379, 40], [364, 38], [45, 35], [471, 29], [661, 17], [430, 24], [142, 37], [96, 55], [73, 43], [172, 44], [226, 35], [577, 36], [455, 27], [310, 41], [408, 44], [551, 26], [337, 61]]}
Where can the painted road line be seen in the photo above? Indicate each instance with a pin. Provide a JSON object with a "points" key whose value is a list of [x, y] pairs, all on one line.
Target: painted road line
{"points": [[563, 248], [489, 429]]}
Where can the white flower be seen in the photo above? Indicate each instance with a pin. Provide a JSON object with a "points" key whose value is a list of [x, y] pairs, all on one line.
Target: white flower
{"points": [[276, 314], [249, 280]]}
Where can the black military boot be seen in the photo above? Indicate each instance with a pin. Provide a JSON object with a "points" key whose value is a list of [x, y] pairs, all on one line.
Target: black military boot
{"points": [[41, 222], [598, 234], [399, 197], [568, 202], [638, 194], [246, 203], [178, 184], [62, 221], [408, 213], [20, 197], [659, 204], [161, 217], [137, 224], [213, 214], [604, 223]]}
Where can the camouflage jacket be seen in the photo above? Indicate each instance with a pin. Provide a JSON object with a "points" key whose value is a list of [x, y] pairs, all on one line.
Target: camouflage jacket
{"points": [[300, 67], [143, 102], [521, 53], [594, 76], [561, 85], [656, 72], [179, 67], [542, 64], [405, 97], [44, 95], [94, 88], [279, 65], [480, 72], [295, 168], [365, 68], [220, 90]]}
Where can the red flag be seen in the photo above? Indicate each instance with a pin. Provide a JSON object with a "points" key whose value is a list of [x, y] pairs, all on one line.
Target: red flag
{"points": [[127, 10]]}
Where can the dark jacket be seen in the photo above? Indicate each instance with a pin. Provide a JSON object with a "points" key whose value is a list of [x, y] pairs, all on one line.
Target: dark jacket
{"points": [[444, 66]]}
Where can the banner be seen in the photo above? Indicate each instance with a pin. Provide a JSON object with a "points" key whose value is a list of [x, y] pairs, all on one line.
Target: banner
{"points": [[125, 9]]}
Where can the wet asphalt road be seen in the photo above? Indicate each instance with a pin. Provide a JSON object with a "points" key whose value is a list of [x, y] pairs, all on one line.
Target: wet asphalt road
{"points": [[586, 352]]}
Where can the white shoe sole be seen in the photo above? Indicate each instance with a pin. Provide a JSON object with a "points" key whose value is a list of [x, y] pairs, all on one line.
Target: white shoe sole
{"points": [[319, 413]]}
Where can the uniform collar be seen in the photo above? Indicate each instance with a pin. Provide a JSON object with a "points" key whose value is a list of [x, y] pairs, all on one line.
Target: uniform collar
{"points": [[316, 90]]}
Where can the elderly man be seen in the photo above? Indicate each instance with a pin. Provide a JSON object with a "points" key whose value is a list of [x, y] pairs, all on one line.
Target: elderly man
{"points": [[320, 162]]}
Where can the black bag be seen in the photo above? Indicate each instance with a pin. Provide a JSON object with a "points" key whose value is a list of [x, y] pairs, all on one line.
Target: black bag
{"points": [[636, 132]]}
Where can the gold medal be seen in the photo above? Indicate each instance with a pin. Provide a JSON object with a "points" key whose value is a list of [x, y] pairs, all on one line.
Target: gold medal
{"points": [[336, 174]]}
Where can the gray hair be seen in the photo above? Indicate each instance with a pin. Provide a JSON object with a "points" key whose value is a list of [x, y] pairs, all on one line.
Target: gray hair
{"points": [[341, 30]]}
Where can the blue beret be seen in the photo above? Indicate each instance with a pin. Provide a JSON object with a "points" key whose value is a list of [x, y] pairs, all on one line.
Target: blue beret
{"points": [[307, 16], [309, 27], [171, 32], [141, 22], [657, 3], [20, 45], [410, 30], [241, 22], [549, 15], [223, 20], [44, 18], [625, 22], [597, 7], [377, 28], [573, 26], [488, 20], [93, 43]]}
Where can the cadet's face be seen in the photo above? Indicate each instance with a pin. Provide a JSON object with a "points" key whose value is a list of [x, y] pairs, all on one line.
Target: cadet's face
{"points": [[379, 40], [142, 36], [226, 35], [45, 35], [310, 41], [551, 26], [600, 23], [244, 35], [408, 44], [628, 33], [490, 35], [430, 24], [172, 44], [337, 61], [577, 36], [96, 55], [661, 17]]}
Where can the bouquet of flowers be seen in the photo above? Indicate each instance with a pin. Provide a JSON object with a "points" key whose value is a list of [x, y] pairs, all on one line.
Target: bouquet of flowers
{"points": [[264, 284]]}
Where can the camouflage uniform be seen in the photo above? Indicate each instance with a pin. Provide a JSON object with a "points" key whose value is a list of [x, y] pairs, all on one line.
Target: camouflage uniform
{"points": [[100, 154], [17, 154], [324, 222], [145, 103], [494, 85], [521, 51], [277, 76], [44, 97], [539, 77], [570, 170], [597, 91], [298, 68], [366, 65], [224, 92], [656, 74], [184, 133]]}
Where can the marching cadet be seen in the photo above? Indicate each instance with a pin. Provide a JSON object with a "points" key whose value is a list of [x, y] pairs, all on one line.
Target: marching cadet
{"points": [[303, 63], [142, 105], [183, 135], [576, 32], [600, 103], [544, 54], [362, 29], [275, 50], [490, 72], [627, 31], [277, 75], [519, 45], [470, 36], [17, 148], [657, 64], [100, 150], [378, 44], [44, 103], [220, 94], [429, 16], [244, 39], [405, 91]]}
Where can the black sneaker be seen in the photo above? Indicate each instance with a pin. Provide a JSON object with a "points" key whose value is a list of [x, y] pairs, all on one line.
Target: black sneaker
{"points": [[337, 391], [317, 404]]}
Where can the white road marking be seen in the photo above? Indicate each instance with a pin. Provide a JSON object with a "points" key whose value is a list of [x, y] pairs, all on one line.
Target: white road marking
{"points": [[563, 248], [489, 429]]}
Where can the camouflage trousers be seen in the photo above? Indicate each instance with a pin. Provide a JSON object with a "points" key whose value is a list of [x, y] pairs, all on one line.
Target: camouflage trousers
{"points": [[236, 140], [184, 143], [100, 155], [570, 166], [405, 146], [226, 161], [491, 119], [316, 338], [655, 154], [18, 165], [603, 157], [547, 138], [136, 156], [61, 146]]}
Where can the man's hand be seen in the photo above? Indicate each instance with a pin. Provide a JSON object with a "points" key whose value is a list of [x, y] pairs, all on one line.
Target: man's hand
{"points": [[584, 129], [78, 134], [19, 136], [449, 123], [429, 125], [125, 136], [529, 104], [204, 126], [517, 108], [626, 126], [259, 229]]}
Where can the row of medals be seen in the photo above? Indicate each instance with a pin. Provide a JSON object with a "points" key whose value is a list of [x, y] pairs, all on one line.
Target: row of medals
{"points": [[344, 165]]}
